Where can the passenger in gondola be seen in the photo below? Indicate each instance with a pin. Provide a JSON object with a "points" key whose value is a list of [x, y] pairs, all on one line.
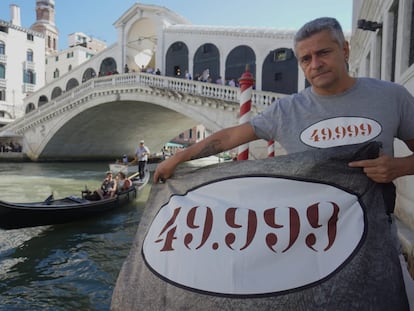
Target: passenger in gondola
{"points": [[108, 187], [123, 183], [125, 159]]}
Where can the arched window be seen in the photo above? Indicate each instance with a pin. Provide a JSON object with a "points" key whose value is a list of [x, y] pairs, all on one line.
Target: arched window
{"points": [[2, 48], [57, 91], [30, 107], [72, 83], [29, 55]]}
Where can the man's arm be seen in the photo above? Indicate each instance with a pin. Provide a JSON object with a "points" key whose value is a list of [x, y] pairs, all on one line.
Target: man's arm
{"points": [[385, 168], [220, 141], [134, 160]]}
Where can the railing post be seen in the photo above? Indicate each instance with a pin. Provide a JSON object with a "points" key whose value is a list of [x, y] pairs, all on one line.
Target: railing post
{"points": [[246, 86]]}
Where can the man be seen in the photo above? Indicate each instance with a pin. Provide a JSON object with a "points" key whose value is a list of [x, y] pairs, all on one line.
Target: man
{"points": [[108, 187], [141, 156], [336, 110]]}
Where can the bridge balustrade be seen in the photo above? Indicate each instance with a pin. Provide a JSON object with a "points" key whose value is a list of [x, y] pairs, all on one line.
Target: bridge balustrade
{"points": [[260, 99]]}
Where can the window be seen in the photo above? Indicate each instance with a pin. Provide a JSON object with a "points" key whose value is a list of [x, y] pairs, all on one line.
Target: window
{"points": [[2, 48], [30, 37], [70, 68], [394, 12], [29, 77], [69, 54], [411, 57], [2, 94], [29, 55], [57, 58], [56, 73], [4, 29], [2, 71]]}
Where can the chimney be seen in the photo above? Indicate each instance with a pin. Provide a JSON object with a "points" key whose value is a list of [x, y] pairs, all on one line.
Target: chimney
{"points": [[15, 14]]}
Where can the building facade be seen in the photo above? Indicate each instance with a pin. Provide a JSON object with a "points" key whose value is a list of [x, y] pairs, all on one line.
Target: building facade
{"points": [[62, 62], [382, 46], [93, 44], [22, 65]]}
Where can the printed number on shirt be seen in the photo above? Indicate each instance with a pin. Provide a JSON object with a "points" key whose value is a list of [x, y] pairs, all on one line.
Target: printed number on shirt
{"points": [[340, 131]]}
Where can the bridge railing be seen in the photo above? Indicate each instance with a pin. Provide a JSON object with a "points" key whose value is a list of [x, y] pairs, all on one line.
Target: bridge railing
{"points": [[260, 99]]}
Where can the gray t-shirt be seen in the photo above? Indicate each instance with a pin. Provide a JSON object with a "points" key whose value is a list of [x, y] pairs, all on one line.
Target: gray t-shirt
{"points": [[372, 110]]}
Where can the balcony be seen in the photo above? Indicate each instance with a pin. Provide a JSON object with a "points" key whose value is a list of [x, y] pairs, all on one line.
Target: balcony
{"points": [[3, 58], [3, 83], [29, 65], [28, 88]]}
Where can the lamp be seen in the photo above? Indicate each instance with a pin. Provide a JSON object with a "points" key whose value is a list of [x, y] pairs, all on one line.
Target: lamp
{"points": [[368, 25]]}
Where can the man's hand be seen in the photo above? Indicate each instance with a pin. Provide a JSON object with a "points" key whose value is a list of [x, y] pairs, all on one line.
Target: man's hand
{"points": [[164, 170], [383, 169]]}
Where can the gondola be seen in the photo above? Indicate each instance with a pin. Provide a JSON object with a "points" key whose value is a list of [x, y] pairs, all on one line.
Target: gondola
{"points": [[57, 211]]}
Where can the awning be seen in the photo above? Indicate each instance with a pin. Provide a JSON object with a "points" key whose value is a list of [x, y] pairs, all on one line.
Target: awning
{"points": [[8, 133], [173, 145]]}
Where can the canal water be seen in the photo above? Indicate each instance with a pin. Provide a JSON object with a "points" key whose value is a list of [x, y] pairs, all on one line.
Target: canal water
{"points": [[62, 267]]}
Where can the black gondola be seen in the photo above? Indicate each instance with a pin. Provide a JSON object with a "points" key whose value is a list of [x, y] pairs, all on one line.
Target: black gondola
{"points": [[57, 211]]}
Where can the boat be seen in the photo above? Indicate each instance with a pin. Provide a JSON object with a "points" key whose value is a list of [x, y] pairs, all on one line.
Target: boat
{"points": [[128, 169], [57, 211], [115, 168]]}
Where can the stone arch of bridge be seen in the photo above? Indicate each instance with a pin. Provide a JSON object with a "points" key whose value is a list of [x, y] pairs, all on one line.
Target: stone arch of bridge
{"points": [[110, 126]]}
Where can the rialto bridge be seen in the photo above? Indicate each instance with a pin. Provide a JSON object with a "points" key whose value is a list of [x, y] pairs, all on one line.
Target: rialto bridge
{"points": [[95, 109], [106, 117]]}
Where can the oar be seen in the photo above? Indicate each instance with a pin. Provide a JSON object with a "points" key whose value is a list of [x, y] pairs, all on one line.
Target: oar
{"points": [[133, 175]]}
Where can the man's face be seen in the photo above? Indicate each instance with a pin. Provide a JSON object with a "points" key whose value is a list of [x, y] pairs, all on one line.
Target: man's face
{"points": [[323, 63]]}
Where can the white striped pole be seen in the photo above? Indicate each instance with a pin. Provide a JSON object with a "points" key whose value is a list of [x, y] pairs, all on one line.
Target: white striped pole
{"points": [[270, 148], [246, 82]]}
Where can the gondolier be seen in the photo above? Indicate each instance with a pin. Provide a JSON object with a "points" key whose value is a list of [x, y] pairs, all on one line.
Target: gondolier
{"points": [[141, 156]]}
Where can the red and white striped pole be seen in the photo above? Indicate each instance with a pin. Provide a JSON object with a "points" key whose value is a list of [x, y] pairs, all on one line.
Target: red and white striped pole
{"points": [[246, 82], [270, 148]]}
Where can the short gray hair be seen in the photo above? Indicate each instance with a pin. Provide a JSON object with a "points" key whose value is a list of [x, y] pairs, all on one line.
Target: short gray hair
{"points": [[320, 24]]}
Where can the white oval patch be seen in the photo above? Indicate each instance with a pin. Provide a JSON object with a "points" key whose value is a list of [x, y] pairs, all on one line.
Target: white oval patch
{"points": [[254, 235], [340, 131]]}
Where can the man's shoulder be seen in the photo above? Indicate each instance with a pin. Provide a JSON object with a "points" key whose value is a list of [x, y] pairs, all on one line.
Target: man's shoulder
{"points": [[367, 81]]}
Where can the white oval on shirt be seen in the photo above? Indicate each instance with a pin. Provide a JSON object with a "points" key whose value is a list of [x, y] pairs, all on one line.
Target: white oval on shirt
{"points": [[340, 131]]}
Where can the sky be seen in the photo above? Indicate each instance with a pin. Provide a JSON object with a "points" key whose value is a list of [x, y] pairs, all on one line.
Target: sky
{"points": [[95, 18]]}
